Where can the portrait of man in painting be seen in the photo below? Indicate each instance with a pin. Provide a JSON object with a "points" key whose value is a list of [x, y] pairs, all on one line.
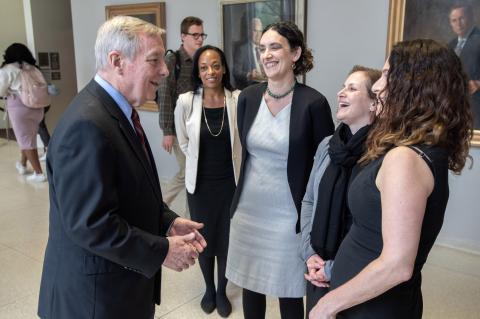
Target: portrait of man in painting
{"points": [[456, 24], [243, 23]]}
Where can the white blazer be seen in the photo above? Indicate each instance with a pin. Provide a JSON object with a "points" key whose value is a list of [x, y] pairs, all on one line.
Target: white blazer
{"points": [[188, 119]]}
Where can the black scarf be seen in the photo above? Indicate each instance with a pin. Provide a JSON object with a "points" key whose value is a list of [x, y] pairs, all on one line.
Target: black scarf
{"points": [[331, 220]]}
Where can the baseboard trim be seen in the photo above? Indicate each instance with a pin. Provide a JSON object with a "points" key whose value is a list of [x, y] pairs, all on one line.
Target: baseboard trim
{"points": [[471, 249]]}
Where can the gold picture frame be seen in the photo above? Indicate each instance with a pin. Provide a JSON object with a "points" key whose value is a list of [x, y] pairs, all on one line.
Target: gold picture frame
{"points": [[153, 12], [395, 33]]}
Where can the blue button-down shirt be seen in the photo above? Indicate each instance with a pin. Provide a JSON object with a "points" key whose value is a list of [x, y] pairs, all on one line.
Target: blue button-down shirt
{"points": [[117, 97]]}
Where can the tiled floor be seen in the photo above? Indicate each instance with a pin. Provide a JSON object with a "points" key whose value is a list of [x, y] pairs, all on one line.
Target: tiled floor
{"points": [[451, 278]]}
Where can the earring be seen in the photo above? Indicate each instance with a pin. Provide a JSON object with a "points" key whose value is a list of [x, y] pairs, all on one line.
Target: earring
{"points": [[294, 66], [373, 106]]}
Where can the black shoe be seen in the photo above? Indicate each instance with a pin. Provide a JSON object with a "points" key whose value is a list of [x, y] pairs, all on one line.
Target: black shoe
{"points": [[208, 302], [224, 307]]}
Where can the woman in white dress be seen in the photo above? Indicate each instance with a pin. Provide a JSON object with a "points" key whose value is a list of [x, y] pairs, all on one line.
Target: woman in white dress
{"points": [[280, 123]]}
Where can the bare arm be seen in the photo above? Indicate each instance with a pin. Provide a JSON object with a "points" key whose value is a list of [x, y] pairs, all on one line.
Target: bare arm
{"points": [[405, 182]]}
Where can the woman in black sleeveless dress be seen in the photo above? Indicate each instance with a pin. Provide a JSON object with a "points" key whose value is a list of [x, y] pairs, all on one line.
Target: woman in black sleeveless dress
{"points": [[398, 200]]}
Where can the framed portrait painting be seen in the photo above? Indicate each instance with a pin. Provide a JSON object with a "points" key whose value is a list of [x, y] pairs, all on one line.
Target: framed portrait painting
{"points": [[438, 20], [242, 26], [153, 12]]}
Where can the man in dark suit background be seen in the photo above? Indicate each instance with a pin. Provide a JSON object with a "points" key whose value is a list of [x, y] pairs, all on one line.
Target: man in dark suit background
{"points": [[247, 67], [467, 47], [108, 223]]}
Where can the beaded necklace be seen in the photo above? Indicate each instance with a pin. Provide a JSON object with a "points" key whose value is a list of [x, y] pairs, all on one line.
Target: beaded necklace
{"points": [[281, 96]]}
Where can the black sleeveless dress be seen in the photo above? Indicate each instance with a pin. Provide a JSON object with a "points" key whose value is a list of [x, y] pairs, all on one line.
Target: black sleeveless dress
{"points": [[364, 242], [210, 204]]}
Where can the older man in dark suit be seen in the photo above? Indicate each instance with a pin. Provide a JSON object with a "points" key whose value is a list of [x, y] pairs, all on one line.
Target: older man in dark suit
{"points": [[108, 223], [467, 47]]}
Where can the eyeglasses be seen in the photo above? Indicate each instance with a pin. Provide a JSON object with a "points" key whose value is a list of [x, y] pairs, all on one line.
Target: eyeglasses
{"points": [[198, 35]]}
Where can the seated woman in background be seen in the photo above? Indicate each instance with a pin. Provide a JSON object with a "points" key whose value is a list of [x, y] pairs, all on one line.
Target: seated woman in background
{"points": [[206, 126], [325, 214], [24, 120], [398, 199]]}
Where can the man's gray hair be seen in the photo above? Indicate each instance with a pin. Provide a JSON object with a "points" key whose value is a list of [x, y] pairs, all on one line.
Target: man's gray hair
{"points": [[121, 33]]}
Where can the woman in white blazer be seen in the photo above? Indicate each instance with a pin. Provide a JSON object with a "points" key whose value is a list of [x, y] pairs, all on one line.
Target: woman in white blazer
{"points": [[205, 122]]}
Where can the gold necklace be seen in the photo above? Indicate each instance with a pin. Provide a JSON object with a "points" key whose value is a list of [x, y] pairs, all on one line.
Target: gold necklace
{"points": [[223, 118]]}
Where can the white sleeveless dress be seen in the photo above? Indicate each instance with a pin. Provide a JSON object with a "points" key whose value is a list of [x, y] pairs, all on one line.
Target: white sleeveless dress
{"points": [[264, 249]]}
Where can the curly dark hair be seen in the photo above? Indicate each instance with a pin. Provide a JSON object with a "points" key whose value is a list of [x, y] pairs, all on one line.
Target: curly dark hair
{"points": [[294, 36], [426, 102], [197, 82], [18, 52]]}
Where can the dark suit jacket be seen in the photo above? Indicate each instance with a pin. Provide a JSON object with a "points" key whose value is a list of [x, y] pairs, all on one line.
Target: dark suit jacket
{"points": [[243, 62], [470, 57], [106, 242], [310, 122]]}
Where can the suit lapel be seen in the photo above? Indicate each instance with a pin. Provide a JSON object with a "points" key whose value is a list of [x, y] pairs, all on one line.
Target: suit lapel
{"points": [[128, 132], [467, 46], [134, 142]]}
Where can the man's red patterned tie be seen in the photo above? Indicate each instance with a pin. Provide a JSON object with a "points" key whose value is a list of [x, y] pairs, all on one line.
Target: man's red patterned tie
{"points": [[140, 131]]}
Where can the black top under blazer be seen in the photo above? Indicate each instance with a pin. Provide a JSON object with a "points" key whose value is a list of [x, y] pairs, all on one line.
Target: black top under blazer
{"points": [[310, 121], [108, 222]]}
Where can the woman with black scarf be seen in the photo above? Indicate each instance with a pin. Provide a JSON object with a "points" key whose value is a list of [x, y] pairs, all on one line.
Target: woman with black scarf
{"points": [[325, 216]]}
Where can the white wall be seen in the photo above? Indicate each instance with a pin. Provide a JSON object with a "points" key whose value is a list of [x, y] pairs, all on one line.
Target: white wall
{"points": [[462, 219], [12, 29], [93, 11], [341, 33], [51, 31], [12, 24]]}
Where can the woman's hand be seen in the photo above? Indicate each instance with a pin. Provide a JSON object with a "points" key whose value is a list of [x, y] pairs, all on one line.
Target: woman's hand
{"points": [[315, 271]]}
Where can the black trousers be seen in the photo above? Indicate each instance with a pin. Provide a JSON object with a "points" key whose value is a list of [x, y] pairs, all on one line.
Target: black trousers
{"points": [[42, 129], [314, 294]]}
